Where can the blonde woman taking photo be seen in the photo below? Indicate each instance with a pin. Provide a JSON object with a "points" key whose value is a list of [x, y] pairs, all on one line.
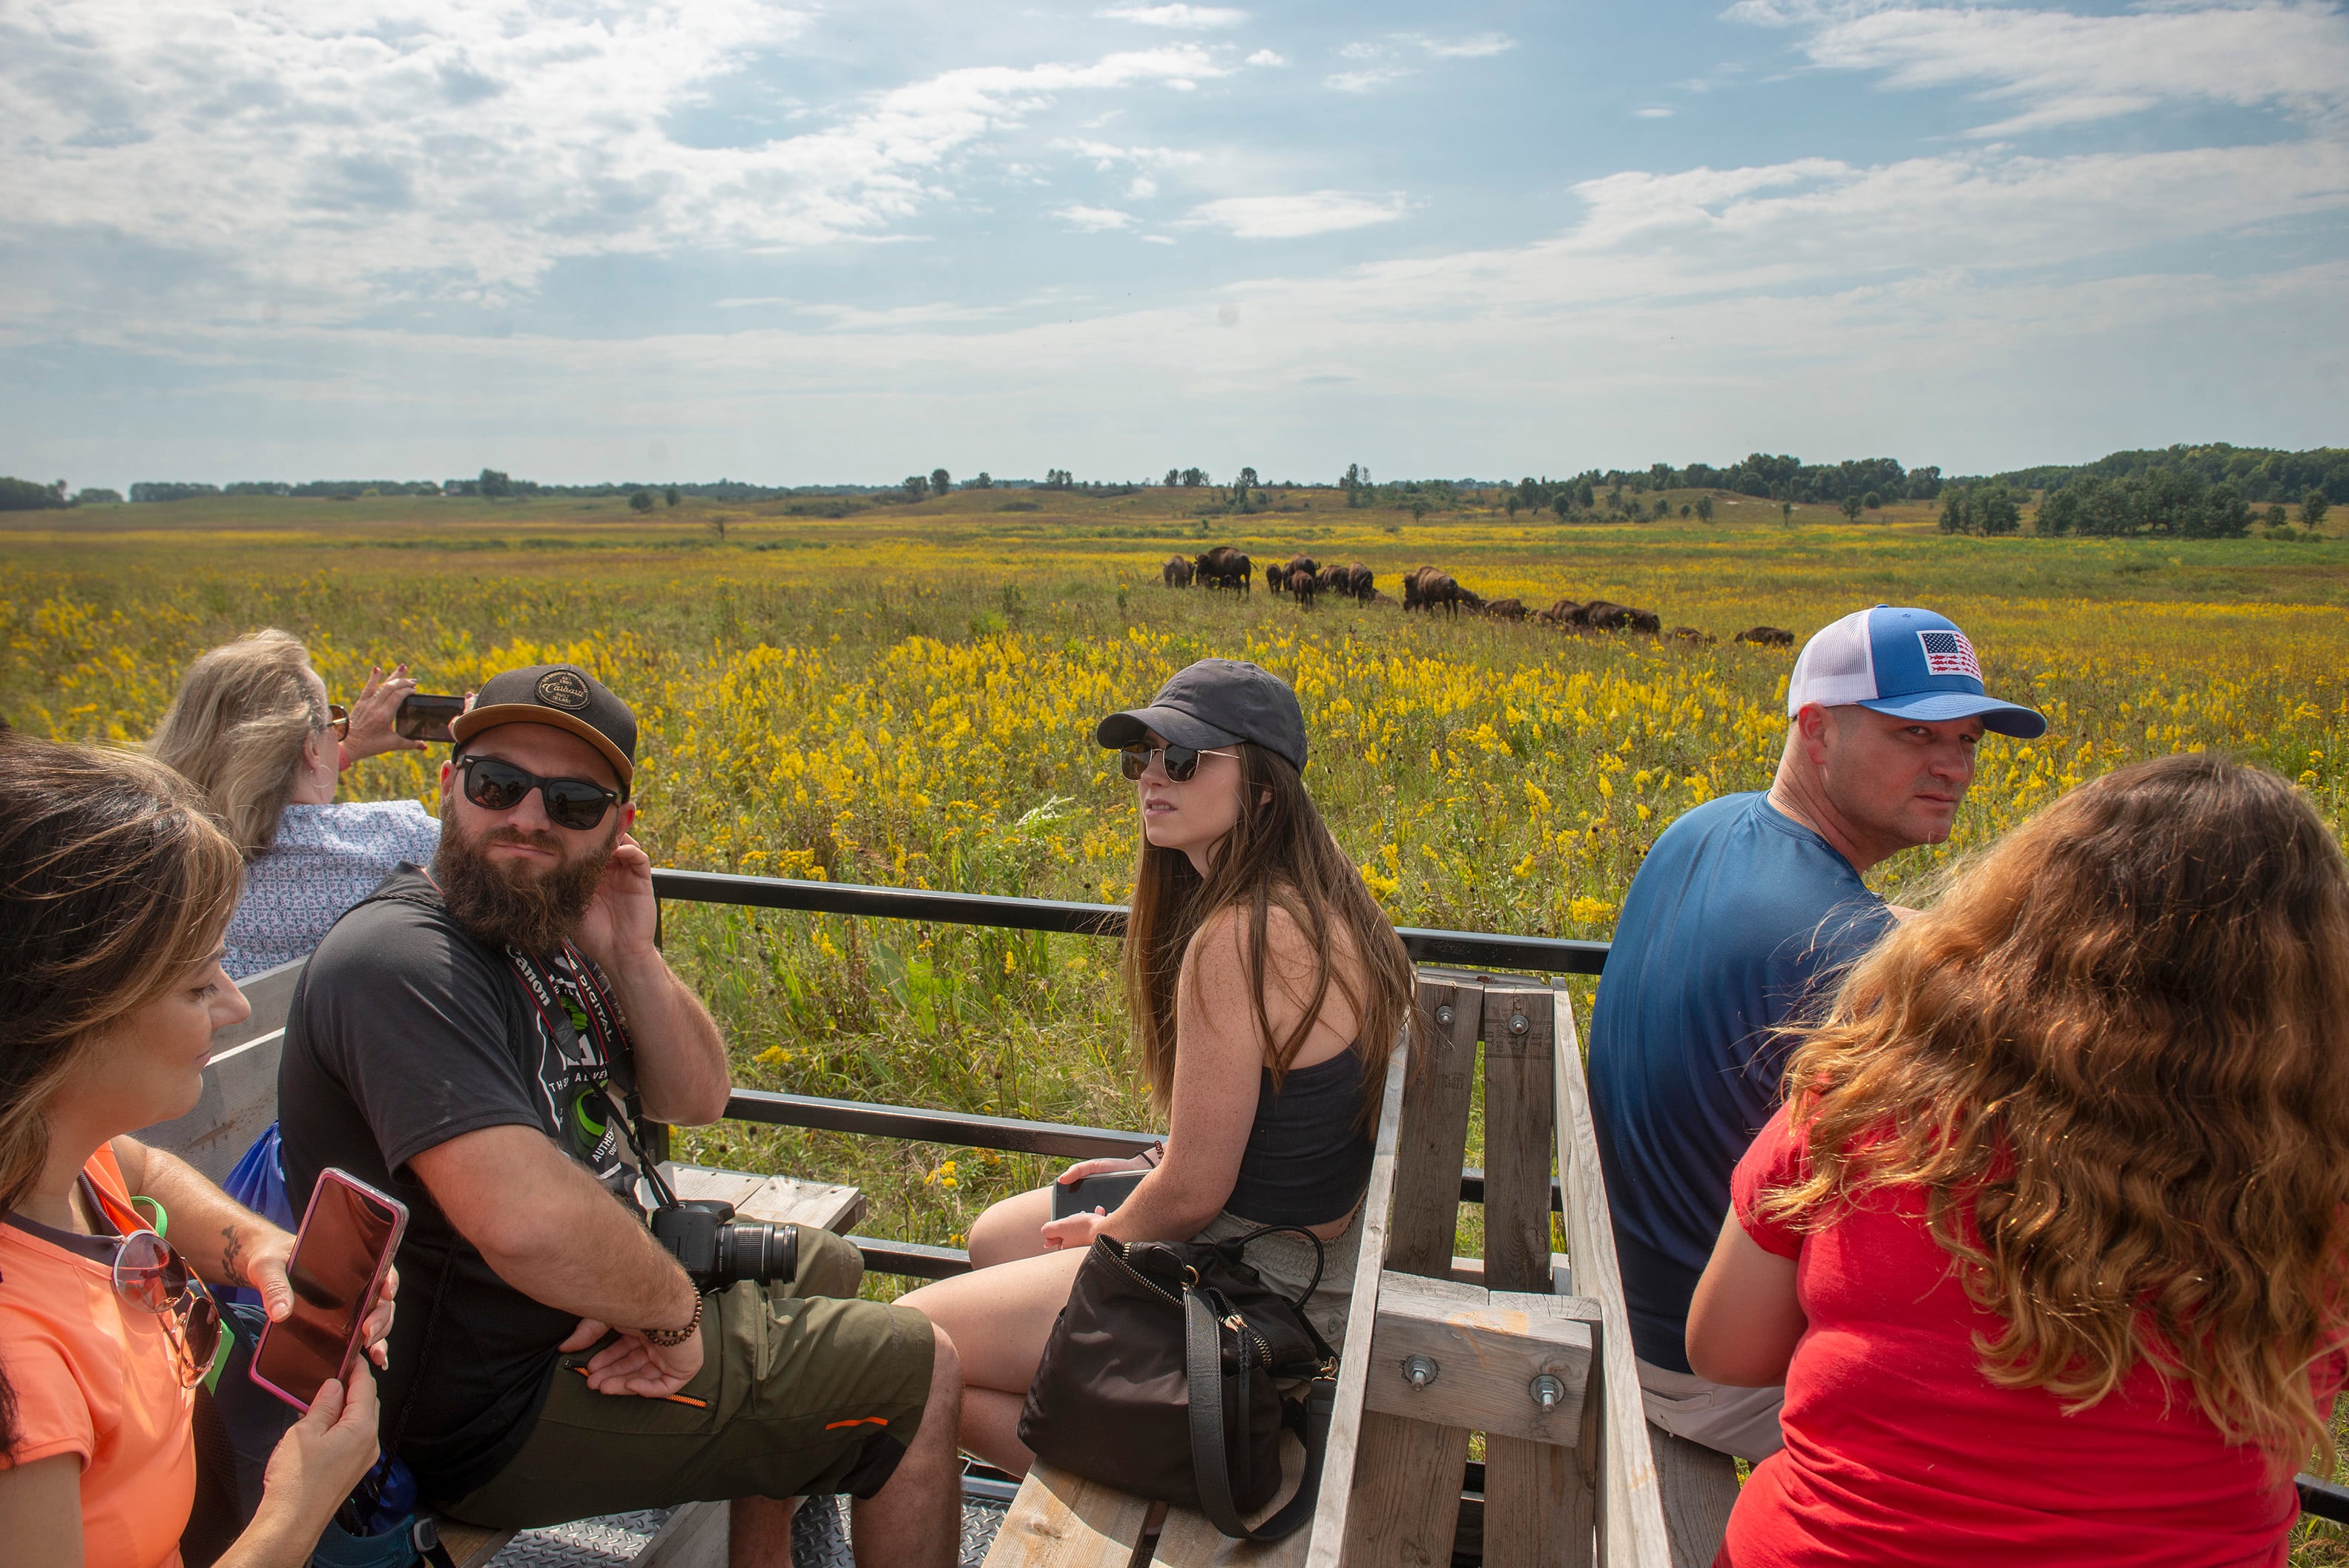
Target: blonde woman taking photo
{"points": [[1266, 990], [2050, 1242], [252, 728], [115, 887]]}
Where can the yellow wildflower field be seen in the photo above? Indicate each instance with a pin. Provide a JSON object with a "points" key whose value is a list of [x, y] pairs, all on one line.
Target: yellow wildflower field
{"points": [[906, 696]]}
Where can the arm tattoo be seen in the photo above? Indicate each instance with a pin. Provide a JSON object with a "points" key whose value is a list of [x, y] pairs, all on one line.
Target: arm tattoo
{"points": [[233, 1256]]}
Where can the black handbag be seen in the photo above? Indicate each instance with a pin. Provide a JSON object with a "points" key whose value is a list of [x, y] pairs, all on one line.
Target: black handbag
{"points": [[1162, 1378]]}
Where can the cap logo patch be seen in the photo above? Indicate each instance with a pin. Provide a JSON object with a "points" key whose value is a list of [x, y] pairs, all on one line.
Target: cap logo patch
{"points": [[565, 689], [1949, 653]]}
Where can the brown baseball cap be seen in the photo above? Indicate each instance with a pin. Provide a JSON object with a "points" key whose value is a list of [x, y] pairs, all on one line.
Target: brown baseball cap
{"points": [[562, 696]]}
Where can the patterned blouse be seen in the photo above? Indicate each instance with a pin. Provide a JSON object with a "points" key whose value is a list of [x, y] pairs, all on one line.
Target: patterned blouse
{"points": [[324, 860]]}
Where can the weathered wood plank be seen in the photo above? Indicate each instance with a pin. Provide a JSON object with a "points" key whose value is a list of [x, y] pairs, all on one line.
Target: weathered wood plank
{"points": [[238, 1102], [1698, 1486], [1188, 1540], [1434, 1130], [469, 1545], [693, 1536], [1630, 1517], [779, 1200], [1063, 1521], [1484, 1349], [1343, 1478], [1538, 1505]]}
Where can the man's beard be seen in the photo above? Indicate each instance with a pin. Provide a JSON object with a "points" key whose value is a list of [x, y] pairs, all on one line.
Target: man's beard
{"points": [[510, 903]]}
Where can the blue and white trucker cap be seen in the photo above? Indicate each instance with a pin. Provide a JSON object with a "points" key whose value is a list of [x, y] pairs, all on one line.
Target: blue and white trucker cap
{"points": [[1908, 663]]}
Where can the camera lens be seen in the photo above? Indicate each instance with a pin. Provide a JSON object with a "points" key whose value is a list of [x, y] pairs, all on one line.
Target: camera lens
{"points": [[757, 1250]]}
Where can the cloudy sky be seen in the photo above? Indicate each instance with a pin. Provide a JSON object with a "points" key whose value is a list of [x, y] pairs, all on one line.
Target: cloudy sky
{"points": [[580, 239]]}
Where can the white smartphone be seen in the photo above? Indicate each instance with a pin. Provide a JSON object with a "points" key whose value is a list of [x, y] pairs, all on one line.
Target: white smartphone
{"points": [[340, 1256]]}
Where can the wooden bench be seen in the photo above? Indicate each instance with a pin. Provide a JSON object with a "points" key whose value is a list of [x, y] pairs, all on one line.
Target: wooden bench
{"points": [[1571, 1481], [240, 1101]]}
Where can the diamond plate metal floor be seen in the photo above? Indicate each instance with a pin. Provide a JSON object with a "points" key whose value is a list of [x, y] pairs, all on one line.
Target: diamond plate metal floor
{"points": [[818, 1538]]}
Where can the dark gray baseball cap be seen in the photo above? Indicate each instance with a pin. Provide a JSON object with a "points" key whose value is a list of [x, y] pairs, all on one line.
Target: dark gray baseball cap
{"points": [[1217, 702]]}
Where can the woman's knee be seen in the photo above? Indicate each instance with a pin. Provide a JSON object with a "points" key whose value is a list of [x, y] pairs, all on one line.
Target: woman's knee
{"points": [[1010, 1229]]}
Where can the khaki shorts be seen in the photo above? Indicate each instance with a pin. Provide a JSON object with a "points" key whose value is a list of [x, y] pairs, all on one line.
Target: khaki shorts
{"points": [[1284, 1261], [802, 1392], [1743, 1422]]}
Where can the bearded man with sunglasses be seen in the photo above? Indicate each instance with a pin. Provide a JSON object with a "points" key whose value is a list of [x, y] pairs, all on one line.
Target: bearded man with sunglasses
{"points": [[473, 1039]]}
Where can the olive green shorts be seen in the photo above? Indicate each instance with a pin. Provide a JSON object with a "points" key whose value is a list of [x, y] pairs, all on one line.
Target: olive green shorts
{"points": [[803, 1392]]}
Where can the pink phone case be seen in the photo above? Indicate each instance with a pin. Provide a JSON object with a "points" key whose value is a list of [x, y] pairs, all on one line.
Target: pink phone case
{"points": [[382, 1266]]}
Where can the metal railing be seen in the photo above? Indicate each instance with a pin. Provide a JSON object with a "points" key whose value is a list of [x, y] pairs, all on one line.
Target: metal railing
{"points": [[1468, 949]]}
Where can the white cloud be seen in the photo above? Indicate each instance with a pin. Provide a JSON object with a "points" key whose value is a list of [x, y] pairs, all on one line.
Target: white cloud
{"points": [[1294, 217], [340, 150], [1140, 188], [1095, 220], [1474, 48], [2061, 68], [1188, 17], [1106, 155], [1157, 240], [1364, 81], [1652, 113], [1266, 58]]}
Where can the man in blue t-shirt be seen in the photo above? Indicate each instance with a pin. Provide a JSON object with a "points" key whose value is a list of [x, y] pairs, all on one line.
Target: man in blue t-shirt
{"points": [[1744, 912]]}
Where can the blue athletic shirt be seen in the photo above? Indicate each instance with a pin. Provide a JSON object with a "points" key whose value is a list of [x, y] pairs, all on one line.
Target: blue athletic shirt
{"points": [[1737, 915]]}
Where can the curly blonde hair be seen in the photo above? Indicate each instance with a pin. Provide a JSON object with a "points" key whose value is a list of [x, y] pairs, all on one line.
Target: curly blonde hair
{"points": [[2115, 1056]]}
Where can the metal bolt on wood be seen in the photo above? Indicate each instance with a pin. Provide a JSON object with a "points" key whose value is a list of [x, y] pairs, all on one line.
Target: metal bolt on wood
{"points": [[1518, 1024], [1444, 1015], [1419, 1371], [1547, 1391]]}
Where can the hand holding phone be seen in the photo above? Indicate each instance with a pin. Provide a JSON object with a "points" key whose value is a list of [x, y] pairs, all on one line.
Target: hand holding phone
{"points": [[1086, 1194], [340, 1258], [424, 717]]}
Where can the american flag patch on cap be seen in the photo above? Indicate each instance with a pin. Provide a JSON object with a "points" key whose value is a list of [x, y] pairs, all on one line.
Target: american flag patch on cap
{"points": [[1949, 653]]}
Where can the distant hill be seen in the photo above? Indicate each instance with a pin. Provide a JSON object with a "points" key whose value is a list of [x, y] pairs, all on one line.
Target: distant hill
{"points": [[2261, 475]]}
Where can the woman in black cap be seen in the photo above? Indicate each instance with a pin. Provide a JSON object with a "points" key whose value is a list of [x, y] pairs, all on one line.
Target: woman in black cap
{"points": [[1266, 990]]}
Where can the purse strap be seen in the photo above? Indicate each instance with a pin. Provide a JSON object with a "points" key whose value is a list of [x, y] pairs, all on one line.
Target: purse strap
{"points": [[1203, 1364]]}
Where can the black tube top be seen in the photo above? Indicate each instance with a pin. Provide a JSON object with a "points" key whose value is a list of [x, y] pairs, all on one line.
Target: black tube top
{"points": [[1307, 1160]]}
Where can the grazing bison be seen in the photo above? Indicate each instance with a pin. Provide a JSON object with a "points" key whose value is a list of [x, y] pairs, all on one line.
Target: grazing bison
{"points": [[1304, 563], [1564, 613], [1606, 616], [1275, 576], [1768, 636], [1334, 579], [1224, 567], [1506, 609], [1428, 587], [1302, 587], [1179, 573], [1357, 583], [1691, 634]]}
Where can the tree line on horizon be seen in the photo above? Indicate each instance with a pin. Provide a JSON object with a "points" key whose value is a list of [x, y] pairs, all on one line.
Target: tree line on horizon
{"points": [[2195, 492]]}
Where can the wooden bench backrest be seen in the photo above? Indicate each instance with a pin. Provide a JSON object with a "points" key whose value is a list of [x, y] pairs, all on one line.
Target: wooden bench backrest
{"points": [[240, 1094], [1553, 1498]]}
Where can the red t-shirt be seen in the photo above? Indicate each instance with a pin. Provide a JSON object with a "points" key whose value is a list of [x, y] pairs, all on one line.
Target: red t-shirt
{"points": [[1899, 1450]]}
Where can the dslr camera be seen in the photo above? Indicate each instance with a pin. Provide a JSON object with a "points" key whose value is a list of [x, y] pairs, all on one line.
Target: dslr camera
{"points": [[715, 1249]]}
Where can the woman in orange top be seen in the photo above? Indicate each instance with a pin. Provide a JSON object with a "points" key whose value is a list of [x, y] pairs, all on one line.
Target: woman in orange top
{"points": [[115, 889]]}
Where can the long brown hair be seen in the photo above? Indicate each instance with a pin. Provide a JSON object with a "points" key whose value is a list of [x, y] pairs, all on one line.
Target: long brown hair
{"points": [[237, 729], [2114, 1055], [1278, 853], [114, 882]]}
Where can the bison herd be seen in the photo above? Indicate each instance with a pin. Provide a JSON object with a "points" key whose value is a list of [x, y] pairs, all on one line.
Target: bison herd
{"points": [[1431, 588]]}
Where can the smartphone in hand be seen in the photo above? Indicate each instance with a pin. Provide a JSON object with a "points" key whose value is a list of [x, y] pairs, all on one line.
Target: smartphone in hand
{"points": [[340, 1256], [1106, 1191], [422, 717]]}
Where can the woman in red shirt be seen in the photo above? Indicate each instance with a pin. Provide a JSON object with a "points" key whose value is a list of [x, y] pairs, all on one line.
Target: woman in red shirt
{"points": [[115, 889], [2048, 1243]]}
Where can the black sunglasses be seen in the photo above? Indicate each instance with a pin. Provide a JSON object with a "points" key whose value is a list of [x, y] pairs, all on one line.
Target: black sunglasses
{"points": [[1181, 761], [578, 804]]}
